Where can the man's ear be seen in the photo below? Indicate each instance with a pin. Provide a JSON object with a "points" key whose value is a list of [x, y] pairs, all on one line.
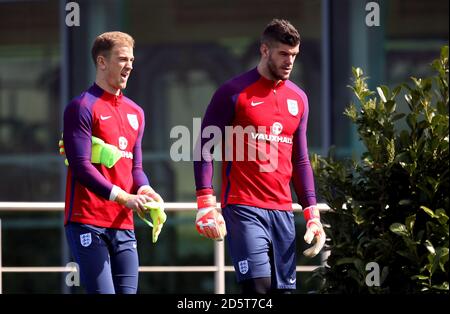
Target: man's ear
{"points": [[101, 62], [264, 49]]}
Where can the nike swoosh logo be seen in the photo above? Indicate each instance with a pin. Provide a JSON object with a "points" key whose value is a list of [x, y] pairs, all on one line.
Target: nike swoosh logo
{"points": [[104, 117], [256, 103], [292, 280]]}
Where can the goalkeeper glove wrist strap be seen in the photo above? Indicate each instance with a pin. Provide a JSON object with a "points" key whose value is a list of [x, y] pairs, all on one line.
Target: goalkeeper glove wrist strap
{"points": [[311, 212], [205, 201], [207, 191]]}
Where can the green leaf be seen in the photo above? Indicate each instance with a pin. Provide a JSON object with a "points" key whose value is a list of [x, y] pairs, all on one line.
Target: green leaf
{"points": [[411, 120], [428, 211], [420, 277], [443, 286], [404, 202], [418, 82], [441, 216], [444, 53], [397, 116], [357, 72], [409, 100], [390, 106], [444, 258], [382, 92], [433, 182], [390, 150], [410, 220], [399, 229], [351, 112], [430, 247], [405, 138], [395, 91]]}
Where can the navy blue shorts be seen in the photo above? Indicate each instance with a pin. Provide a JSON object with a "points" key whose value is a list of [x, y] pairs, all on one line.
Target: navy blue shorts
{"points": [[262, 244], [107, 258]]}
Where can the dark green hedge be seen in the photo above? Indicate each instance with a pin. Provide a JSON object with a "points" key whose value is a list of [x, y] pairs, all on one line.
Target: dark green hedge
{"points": [[390, 205]]}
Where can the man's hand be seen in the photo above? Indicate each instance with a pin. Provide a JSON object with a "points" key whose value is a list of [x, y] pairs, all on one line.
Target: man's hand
{"points": [[209, 222], [149, 191], [132, 201], [156, 210], [314, 231]]}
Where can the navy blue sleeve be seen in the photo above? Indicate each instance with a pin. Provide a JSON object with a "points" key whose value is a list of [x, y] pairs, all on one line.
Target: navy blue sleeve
{"points": [[220, 113], [139, 176], [302, 174], [77, 137]]}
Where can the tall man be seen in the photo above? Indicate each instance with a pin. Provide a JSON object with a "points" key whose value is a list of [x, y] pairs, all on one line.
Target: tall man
{"points": [[100, 201], [255, 198]]}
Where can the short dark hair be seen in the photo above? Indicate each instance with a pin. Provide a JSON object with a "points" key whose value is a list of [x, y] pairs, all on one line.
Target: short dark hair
{"points": [[106, 41], [281, 31]]}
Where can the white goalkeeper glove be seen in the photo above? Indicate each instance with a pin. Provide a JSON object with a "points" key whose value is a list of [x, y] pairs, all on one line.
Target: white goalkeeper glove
{"points": [[314, 231], [209, 222]]}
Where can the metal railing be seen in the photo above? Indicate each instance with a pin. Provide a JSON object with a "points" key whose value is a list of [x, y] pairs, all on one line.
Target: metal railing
{"points": [[219, 268]]}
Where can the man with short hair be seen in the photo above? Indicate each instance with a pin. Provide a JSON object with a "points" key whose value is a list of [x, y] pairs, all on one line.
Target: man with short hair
{"points": [[100, 200], [255, 198]]}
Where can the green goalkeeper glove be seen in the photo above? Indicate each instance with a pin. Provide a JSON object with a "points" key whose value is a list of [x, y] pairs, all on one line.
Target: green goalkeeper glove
{"points": [[62, 152], [158, 216], [102, 153]]}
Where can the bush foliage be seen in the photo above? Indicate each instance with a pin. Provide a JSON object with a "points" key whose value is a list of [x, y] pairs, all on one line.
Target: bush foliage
{"points": [[391, 205]]}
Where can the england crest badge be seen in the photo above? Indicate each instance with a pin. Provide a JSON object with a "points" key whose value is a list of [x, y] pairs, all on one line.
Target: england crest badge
{"points": [[133, 120], [243, 266], [292, 107], [86, 239]]}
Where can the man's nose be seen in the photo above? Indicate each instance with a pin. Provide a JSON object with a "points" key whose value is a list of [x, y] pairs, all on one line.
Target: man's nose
{"points": [[291, 60]]}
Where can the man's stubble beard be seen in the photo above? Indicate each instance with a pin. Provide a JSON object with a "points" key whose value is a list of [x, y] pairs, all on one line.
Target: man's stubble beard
{"points": [[273, 70]]}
